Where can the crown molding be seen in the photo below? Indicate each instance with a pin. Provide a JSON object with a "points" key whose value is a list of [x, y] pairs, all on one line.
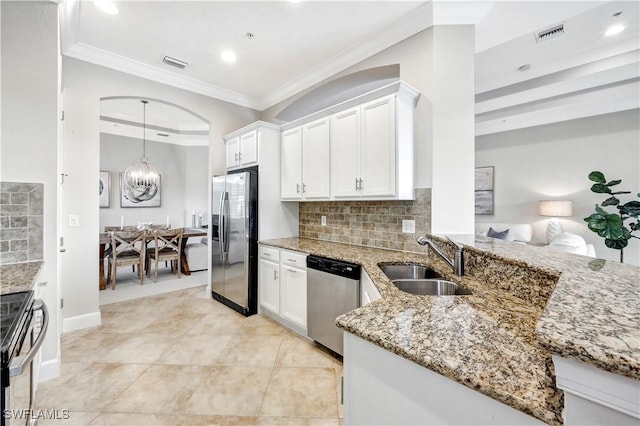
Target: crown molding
{"points": [[410, 24], [129, 66]]}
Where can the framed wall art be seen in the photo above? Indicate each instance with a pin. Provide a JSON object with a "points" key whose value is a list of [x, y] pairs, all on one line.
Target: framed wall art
{"points": [[484, 190], [105, 189], [130, 197]]}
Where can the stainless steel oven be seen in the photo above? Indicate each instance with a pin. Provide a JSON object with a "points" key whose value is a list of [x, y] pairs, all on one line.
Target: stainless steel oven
{"points": [[24, 323]]}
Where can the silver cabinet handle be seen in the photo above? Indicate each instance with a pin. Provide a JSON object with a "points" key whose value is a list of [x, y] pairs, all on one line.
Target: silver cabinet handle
{"points": [[291, 260], [356, 184], [16, 367], [275, 274], [240, 156], [266, 254], [297, 188], [360, 184], [291, 270], [304, 188]]}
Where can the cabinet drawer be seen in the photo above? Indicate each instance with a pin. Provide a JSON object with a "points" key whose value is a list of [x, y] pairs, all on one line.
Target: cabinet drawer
{"points": [[293, 259], [269, 253]]}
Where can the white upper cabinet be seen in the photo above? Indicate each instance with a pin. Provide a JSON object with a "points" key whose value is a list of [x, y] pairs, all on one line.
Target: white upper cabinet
{"points": [[242, 151], [233, 152], [315, 160], [345, 153], [291, 164], [358, 149], [378, 149], [304, 166]]}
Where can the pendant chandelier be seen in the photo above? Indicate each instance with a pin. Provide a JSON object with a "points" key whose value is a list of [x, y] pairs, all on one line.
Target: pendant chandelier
{"points": [[143, 176]]}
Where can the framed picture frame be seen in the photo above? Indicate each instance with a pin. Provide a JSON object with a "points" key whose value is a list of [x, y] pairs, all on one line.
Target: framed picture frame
{"points": [[484, 180], [105, 189], [130, 197]]}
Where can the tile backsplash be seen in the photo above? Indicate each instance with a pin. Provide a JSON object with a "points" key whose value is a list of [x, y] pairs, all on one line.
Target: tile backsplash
{"points": [[21, 222], [368, 223]]}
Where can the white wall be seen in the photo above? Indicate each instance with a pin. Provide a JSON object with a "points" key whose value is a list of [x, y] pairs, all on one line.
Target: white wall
{"points": [[84, 84], [453, 129], [553, 162], [185, 177], [29, 145]]}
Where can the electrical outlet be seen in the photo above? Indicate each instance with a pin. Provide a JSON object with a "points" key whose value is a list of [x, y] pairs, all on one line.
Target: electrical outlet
{"points": [[409, 226], [74, 220], [323, 221]]}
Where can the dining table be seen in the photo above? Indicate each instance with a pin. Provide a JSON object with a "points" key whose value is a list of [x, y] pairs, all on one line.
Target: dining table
{"points": [[105, 242]]}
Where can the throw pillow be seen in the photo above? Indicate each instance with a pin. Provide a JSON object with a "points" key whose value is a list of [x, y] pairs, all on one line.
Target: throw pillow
{"points": [[499, 235]]}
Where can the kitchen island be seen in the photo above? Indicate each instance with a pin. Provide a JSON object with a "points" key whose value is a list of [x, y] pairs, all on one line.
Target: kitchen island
{"points": [[526, 305]]}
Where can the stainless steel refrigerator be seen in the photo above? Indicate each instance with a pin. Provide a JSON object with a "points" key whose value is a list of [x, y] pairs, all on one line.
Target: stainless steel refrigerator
{"points": [[234, 273]]}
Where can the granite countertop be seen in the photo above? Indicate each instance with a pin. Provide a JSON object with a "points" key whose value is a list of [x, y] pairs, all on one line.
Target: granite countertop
{"points": [[17, 277], [497, 341]]}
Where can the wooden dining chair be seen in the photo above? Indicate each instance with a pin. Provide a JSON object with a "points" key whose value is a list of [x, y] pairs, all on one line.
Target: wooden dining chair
{"points": [[128, 228], [166, 247], [127, 248]]}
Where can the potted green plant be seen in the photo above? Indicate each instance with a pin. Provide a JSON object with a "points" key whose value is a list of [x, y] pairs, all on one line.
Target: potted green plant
{"points": [[611, 226]]}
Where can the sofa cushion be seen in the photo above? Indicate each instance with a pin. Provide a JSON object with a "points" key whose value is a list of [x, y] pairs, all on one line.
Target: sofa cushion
{"points": [[569, 243], [499, 235]]}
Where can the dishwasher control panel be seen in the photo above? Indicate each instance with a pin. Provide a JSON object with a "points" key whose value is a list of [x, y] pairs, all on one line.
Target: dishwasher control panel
{"points": [[336, 267]]}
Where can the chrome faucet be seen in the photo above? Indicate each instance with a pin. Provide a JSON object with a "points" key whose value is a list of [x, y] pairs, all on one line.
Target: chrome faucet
{"points": [[457, 263]]}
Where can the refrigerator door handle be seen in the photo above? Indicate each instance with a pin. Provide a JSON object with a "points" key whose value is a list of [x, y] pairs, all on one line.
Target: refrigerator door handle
{"points": [[227, 227], [221, 232]]}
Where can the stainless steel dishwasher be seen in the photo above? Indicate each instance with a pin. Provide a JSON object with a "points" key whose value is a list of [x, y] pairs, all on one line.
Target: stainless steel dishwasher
{"points": [[333, 289]]}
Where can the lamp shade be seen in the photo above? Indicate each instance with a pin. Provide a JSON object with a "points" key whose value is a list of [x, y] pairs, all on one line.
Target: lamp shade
{"points": [[555, 208]]}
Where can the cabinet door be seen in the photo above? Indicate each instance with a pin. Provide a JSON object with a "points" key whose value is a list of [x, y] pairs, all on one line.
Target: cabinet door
{"points": [[293, 295], [368, 290], [249, 148], [291, 164], [233, 153], [269, 286], [345, 153], [315, 159], [378, 161]]}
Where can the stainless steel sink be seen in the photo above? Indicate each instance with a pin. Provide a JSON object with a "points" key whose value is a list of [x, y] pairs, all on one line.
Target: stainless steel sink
{"points": [[408, 271], [430, 287]]}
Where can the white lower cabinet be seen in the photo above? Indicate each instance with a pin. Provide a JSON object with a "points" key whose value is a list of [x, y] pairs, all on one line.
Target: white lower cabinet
{"points": [[293, 295], [282, 287], [368, 291], [382, 388], [269, 279]]}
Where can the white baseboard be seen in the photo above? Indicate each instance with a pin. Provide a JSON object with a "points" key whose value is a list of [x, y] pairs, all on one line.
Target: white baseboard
{"points": [[49, 370], [81, 321]]}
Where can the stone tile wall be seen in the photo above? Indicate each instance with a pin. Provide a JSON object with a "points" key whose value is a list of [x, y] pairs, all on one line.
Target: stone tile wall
{"points": [[21, 222], [368, 223]]}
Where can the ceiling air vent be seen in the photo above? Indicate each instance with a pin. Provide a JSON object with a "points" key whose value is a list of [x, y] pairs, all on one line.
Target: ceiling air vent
{"points": [[549, 33], [174, 62]]}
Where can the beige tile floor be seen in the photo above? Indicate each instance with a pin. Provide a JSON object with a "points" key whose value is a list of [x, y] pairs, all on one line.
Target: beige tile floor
{"points": [[181, 358]]}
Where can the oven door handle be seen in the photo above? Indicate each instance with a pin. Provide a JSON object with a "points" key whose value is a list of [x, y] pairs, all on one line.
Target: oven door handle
{"points": [[17, 365]]}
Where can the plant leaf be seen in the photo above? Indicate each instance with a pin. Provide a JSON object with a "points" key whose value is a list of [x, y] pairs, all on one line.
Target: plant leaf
{"points": [[614, 182], [611, 201], [616, 244], [597, 176], [600, 188], [631, 208]]}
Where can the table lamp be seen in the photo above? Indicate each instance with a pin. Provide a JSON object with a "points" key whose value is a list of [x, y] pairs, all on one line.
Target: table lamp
{"points": [[555, 209]]}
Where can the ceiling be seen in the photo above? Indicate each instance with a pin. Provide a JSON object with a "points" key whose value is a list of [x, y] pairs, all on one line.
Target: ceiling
{"points": [[297, 45]]}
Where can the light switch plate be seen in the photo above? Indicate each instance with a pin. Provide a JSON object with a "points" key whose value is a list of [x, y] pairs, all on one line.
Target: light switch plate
{"points": [[74, 220], [409, 226], [323, 221]]}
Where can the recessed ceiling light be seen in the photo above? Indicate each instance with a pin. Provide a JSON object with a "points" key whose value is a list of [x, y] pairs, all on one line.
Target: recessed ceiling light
{"points": [[614, 29], [107, 6], [524, 67], [228, 56]]}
